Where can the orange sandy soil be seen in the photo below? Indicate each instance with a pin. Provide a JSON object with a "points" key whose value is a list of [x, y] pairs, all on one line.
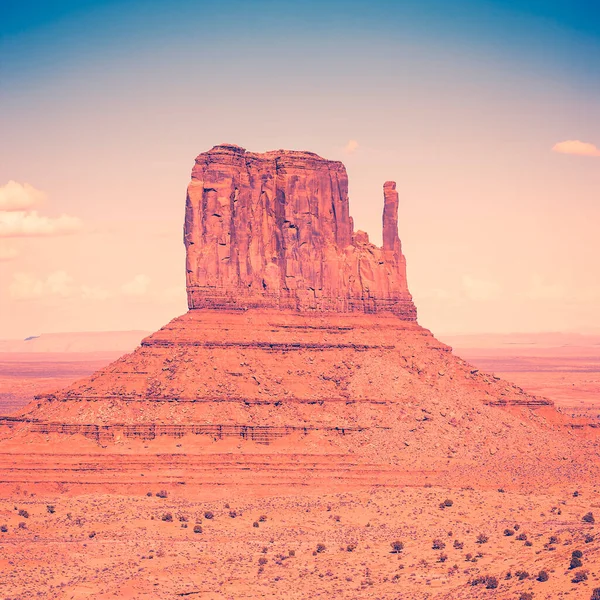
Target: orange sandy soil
{"points": [[114, 546]]}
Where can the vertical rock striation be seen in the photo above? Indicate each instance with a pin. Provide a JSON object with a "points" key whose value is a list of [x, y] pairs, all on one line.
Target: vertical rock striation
{"points": [[273, 230]]}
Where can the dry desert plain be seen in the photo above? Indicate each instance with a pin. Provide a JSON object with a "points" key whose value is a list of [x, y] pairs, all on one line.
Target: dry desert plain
{"points": [[304, 528]]}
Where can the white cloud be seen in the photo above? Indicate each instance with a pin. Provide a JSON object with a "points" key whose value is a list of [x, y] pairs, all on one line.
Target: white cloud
{"points": [[480, 289], [138, 286], [26, 286], [351, 147], [7, 253], [576, 147], [540, 290], [94, 293], [31, 224], [19, 196]]}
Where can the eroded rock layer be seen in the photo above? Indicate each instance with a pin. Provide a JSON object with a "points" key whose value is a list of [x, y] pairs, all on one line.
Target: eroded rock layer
{"points": [[274, 230]]}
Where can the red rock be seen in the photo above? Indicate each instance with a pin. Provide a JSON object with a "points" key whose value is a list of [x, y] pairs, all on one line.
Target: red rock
{"points": [[274, 230]]}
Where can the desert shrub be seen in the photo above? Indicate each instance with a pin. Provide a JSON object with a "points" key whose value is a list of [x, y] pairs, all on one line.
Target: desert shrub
{"points": [[516, 527], [263, 560], [208, 515], [443, 557], [526, 596], [264, 549], [589, 538], [508, 575], [352, 547], [197, 528], [580, 576], [477, 580], [227, 505], [232, 514], [482, 538], [321, 548], [522, 537], [521, 575], [438, 544], [529, 543], [149, 494], [543, 576], [255, 524], [182, 519], [161, 494], [491, 583], [3, 528], [575, 494], [50, 508], [168, 517], [458, 545], [596, 594], [292, 553], [553, 540], [575, 563], [577, 554], [397, 547], [588, 518], [509, 532], [448, 502], [262, 518], [23, 513], [92, 534]]}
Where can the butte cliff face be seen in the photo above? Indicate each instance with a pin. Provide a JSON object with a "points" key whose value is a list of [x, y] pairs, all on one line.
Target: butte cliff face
{"points": [[274, 230]]}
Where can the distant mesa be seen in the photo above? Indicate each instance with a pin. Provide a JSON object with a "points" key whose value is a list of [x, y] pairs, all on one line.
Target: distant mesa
{"points": [[274, 230]]}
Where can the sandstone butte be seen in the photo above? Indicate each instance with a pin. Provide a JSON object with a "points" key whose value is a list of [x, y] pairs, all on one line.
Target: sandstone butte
{"points": [[300, 361]]}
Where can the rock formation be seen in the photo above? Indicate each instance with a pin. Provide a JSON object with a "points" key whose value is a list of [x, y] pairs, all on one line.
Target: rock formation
{"points": [[274, 230]]}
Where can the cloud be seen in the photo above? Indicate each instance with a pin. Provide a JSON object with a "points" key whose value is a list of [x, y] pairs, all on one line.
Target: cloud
{"points": [[540, 290], [31, 224], [480, 289], [26, 287], [19, 196], [351, 147], [576, 147], [7, 253], [94, 293], [138, 286]]}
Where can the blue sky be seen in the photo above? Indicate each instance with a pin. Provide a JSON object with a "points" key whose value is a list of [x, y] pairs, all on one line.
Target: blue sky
{"points": [[105, 105]]}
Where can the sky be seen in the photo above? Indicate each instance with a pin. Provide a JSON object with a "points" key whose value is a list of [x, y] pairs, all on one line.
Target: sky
{"points": [[486, 113]]}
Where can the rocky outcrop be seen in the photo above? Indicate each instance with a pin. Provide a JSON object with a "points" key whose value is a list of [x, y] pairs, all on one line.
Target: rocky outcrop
{"points": [[274, 230]]}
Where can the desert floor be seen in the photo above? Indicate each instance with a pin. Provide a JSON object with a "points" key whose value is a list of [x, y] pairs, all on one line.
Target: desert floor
{"points": [[277, 541]]}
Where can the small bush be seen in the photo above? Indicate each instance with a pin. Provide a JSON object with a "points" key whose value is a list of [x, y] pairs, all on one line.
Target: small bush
{"points": [[438, 544], [149, 494], [262, 518], [292, 553], [580, 576], [23, 513], [182, 519], [351, 547], [92, 534], [232, 514], [521, 575], [491, 583], [50, 508], [577, 554], [516, 527], [443, 557], [263, 560], [168, 517], [321, 548], [543, 576], [22, 525], [208, 515], [528, 543], [509, 532], [255, 524], [575, 563], [526, 596], [589, 538], [482, 538], [596, 594], [397, 547], [197, 528], [161, 494], [3, 528], [522, 537], [448, 502], [458, 545], [588, 518], [553, 540]]}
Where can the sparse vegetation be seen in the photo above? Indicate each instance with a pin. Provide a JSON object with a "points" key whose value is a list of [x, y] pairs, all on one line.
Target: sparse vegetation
{"points": [[168, 517], [521, 575], [543, 576], [255, 524], [262, 518], [161, 494], [575, 563], [438, 544], [197, 528], [588, 518], [321, 548], [397, 547], [50, 508], [580, 576], [23, 513], [458, 545], [509, 532], [482, 538], [595, 594], [208, 515], [4, 528]]}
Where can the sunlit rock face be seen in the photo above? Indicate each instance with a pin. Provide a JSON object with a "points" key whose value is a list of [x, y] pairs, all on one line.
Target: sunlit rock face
{"points": [[274, 230]]}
